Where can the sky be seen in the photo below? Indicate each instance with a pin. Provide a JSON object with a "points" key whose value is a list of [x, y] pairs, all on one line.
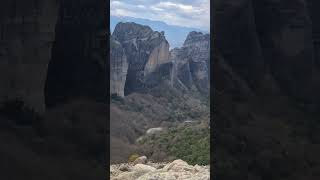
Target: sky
{"points": [[188, 13]]}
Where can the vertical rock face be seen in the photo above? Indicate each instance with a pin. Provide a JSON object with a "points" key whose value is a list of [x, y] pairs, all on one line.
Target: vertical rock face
{"points": [[27, 31], [313, 6], [287, 44], [238, 41], [78, 64], [118, 68], [266, 62], [255, 49], [192, 62], [145, 49]]}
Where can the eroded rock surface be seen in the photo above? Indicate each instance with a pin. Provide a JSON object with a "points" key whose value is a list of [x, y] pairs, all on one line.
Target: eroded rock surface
{"points": [[192, 62], [118, 67], [146, 51]]}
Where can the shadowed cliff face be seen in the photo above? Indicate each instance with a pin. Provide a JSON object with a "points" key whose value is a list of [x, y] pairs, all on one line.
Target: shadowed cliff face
{"points": [[283, 49], [266, 89], [27, 32], [78, 64], [66, 41]]}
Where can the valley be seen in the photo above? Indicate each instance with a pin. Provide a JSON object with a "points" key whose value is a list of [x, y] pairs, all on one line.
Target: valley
{"points": [[155, 89]]}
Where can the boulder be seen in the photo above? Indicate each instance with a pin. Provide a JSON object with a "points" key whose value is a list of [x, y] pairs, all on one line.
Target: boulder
{"points": [[143, 168], [154, 130], [140, 160]]}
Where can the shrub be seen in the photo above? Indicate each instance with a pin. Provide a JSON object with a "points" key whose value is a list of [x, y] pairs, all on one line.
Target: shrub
{"points": [[133, 157], [115, 97], [189, 144]]}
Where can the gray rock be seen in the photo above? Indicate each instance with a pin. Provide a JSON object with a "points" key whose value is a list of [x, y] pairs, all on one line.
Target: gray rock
{"points": [[176, 170], [140, 160], [154, 130], [146, 51], [192, 62], [118, 67]]}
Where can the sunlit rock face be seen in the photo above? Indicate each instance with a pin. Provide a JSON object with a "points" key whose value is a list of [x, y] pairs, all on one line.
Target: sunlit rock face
{"points": [[146, 51], [192, 62], [27, 33], [118, 68]]}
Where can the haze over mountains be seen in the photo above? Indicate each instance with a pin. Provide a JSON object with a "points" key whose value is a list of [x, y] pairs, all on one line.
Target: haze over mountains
{"points": [[175, 35]]}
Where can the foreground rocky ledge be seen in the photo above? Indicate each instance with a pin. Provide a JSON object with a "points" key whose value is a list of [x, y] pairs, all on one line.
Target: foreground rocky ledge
{"points": [[176, 170]]}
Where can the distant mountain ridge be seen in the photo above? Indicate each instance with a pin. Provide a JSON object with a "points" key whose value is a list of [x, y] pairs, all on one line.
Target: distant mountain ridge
{"points": [[176, 35]]}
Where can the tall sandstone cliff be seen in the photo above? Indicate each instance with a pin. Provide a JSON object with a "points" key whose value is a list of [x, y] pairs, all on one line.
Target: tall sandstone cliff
{"points": [[140, 59], [146, 51], [192, 62], [118, 67]]}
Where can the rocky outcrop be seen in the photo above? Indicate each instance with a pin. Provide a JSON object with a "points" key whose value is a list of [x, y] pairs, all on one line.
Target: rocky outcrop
{"points": [[27, 33], [118, 67], [146, 52], [78, 66], [177, 169], [192, 62]]}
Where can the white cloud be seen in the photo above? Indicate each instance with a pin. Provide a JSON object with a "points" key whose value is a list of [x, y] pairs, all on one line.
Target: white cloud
{"points": [[171, 5], [188, 13]]}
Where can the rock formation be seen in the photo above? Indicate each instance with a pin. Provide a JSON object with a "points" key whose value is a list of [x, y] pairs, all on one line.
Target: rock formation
{"points": [[118, 68], [192, 62], [78, 64], [266, 88], [256, 50], [146, 52], [41, 36], [67, 41], [27, 33]]}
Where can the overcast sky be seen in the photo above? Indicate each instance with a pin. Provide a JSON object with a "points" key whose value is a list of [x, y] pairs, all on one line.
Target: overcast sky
{"points": [[188, 13]]}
